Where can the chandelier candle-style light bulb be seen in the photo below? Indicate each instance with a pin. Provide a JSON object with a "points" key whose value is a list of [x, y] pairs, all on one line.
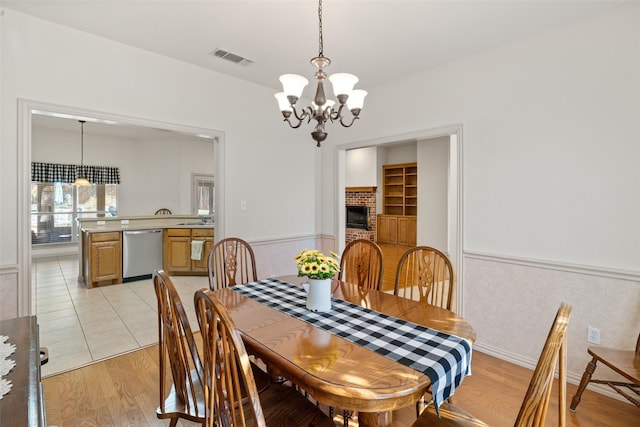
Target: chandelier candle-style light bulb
{"points": [[321, 109]]}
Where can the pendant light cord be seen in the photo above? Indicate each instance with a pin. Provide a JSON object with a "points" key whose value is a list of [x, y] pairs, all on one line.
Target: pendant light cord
{"points": [[81, 145], [321, 44]]}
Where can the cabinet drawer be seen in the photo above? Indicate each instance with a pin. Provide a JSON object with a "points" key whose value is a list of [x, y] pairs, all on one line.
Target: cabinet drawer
{"points": [[201, 232], [178, 232], [105, 237]]}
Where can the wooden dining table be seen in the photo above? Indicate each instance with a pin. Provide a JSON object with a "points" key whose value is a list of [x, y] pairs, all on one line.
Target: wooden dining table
{"points": [[333, 370]]}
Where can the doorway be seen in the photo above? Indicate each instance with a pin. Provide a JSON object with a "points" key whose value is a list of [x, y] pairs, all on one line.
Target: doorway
{"points": [[26, 111], [453, 219]]}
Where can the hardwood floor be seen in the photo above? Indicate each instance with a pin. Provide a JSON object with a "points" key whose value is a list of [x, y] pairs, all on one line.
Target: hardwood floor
{"points": [[123, 391], [392, 254]]}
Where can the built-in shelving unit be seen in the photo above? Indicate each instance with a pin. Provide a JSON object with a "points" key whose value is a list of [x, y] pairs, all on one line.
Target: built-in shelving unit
{"points": [[400, 189], [398, 222]]}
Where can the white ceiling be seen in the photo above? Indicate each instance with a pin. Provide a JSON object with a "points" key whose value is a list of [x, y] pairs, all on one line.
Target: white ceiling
{"points": [[377, 40]]}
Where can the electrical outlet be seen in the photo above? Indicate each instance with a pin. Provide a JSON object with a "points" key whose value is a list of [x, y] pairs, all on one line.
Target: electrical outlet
{"points": [[593, 335]]}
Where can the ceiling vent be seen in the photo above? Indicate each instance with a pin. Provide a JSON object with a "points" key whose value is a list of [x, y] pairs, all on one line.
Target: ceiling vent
{"points": [[231, 57]]}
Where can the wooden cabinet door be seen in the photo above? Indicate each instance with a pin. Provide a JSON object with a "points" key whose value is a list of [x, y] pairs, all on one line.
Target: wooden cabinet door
{"points": [[412, 231], [383, 229], [177, 254], [393, 230], [403, 231], [201, 265], [106, 259]]}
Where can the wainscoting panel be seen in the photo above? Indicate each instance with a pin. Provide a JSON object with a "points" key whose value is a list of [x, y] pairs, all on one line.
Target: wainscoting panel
{"points": [[275, 257], [512, 302]]}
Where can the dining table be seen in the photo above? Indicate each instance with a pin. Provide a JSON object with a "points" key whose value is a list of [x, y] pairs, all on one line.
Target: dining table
{"points": [[337, 359]]}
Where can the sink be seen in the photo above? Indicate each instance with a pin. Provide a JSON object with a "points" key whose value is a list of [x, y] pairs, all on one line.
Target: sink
{"points": [[193, 223]]}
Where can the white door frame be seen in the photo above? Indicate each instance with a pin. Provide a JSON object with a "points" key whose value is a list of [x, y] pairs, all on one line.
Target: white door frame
{"points": [[455, 192], [26, 302]]}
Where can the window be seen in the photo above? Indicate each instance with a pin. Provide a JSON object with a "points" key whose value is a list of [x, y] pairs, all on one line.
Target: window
{"points": [[55, 206], [203, 197]]}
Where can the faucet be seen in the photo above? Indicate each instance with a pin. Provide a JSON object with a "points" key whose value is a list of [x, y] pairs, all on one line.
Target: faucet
{"points": [[205, 219]]}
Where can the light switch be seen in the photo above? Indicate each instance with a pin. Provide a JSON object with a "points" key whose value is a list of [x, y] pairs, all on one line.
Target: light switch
{"points": [[243, 205]]}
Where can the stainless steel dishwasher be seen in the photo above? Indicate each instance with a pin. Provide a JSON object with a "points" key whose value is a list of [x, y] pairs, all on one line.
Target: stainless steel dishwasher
{"points": [[141, 253]]}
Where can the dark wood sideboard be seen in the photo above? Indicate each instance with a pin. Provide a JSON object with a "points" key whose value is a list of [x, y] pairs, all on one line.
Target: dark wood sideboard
{"points": [[24, 404]]}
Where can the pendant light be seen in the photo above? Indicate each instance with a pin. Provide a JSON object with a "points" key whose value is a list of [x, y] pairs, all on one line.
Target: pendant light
{"points": [[81, 180]]}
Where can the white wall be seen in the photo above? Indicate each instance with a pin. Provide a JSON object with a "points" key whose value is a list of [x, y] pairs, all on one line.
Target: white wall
{"points": [[550, 166], [266, 163], [154, 173], [361, 170], [433, 185]]}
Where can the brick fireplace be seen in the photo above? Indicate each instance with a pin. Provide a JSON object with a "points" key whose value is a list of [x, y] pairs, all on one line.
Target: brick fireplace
{"points": [[362, 196]]}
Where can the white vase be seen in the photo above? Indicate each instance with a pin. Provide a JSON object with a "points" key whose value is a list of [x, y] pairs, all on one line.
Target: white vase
{"points": [[318, 294]]}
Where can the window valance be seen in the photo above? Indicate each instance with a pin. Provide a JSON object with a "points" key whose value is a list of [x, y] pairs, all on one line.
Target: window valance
{"points": [[56, 172]]}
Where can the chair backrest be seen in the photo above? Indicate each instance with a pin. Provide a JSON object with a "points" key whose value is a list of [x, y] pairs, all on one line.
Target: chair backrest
{"points": [[231, 262], [163, 211], [228, 377], [638, 346], [177, 347], [362, 263], [536, 401], [426, 274]]}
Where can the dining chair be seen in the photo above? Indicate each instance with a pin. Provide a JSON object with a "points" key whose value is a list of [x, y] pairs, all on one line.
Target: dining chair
{"points": [[231, 262], [163, 211], [426, 274], [362, 263], [179, 353], [623, 362], [533, 411], [228, 377]]}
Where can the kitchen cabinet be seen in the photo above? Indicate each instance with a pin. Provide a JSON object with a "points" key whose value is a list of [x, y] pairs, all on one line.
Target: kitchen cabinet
{"points": [[206, 235], [177, 250], [102, 258]]}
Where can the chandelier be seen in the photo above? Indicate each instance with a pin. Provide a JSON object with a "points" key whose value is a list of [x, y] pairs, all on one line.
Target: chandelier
{"points": [[321, 109]]}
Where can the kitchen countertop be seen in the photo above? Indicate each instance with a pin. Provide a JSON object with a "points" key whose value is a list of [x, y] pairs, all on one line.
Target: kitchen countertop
{"points": [[98, 225]]}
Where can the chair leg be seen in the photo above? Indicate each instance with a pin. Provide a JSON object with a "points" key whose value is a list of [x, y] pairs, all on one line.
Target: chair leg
{"points": [[586, 378], [420, 406], [345, 418]]}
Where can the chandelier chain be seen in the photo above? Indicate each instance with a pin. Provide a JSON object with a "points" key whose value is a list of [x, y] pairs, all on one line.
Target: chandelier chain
{"points": [[321, 44]]}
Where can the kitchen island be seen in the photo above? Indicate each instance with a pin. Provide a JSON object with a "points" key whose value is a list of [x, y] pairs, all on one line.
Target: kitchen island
{"points": [[101, 245]]}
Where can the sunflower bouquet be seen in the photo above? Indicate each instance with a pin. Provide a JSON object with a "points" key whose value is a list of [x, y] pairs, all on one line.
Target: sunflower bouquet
{"points": [[316, 265]]}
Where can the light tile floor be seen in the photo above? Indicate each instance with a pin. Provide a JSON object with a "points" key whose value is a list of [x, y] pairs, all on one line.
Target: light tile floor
{"points": [[80, 326]]}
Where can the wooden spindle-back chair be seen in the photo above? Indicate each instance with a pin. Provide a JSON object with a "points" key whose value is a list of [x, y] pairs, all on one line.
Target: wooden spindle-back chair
{"points": [[177, 352], [625, 363], [362, 263], [231, 262], [426, 274], [534, 407], [231, 394]]}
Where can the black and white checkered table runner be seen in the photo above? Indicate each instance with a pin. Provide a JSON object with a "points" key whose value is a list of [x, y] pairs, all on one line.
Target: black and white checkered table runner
{"points": [[444, 358]]}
